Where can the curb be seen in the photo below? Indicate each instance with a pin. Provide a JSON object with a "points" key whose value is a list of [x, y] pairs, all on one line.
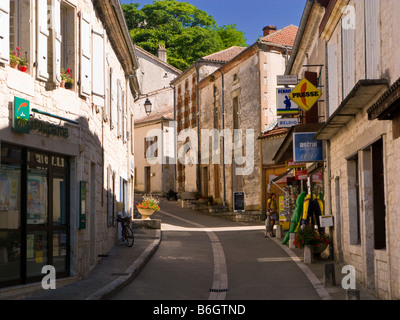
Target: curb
{"points": [[116, 285]]}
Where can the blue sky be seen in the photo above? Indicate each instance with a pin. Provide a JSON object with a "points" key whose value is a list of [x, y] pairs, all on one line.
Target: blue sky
{"points": [[250, 16]]}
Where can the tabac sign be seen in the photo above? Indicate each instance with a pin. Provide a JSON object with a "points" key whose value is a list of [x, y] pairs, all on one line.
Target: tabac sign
{"points": [[305, 95], [21, 115]]}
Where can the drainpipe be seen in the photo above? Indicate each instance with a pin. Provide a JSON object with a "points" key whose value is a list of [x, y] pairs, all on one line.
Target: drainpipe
{"points": [[175, 139], [223, 136], [198, 126]]}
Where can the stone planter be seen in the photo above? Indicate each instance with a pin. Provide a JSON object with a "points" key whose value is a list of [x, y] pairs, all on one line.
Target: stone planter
{"points": [[146, 213], [308, 254]]}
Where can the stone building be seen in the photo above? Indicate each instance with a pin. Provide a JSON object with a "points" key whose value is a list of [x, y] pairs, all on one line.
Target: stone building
{"points": [[154, 132], [240, 95], [360, 133], [66, 154], [187, 118]]}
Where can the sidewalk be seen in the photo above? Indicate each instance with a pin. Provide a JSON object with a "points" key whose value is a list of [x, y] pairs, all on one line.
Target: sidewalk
{"points": [[316, 271], [112, 272]]}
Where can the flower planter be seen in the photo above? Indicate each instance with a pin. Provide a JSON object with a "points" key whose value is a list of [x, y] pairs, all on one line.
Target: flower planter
{"points": [[23, 68], [62, 84], [146, 213], [69, 85], [14, 65]]}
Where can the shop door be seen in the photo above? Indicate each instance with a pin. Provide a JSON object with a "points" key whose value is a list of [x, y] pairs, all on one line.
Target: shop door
{"points": [[47, 231]]}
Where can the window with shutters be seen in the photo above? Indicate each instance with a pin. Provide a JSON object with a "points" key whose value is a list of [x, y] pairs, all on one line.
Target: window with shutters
{"points": [[68, 46], [19, 28], [151, 147], [15, 29]]}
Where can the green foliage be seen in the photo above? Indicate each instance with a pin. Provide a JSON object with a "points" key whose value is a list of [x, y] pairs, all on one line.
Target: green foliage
{"points": [[187, 32], [308, 236]]}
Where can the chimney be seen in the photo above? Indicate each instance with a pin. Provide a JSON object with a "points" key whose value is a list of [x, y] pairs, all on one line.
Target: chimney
{"points": [[269, 30], [162, 52]]}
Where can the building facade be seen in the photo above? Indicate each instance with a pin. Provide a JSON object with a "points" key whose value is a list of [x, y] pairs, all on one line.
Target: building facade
{"points": [[187, 115], [360, 132], [66, 154], [238, 102], [155, 164]]}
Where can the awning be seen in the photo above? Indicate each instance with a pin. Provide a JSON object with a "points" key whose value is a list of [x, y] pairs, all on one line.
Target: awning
{"points": [[387, 105], [282, 175], [285, 151], [361, 95]]}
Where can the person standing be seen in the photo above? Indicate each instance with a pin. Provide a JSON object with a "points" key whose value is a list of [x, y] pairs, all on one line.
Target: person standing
{"points": [[272, 213]]}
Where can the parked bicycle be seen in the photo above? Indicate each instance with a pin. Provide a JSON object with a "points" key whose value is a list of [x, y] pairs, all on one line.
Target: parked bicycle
{"points": [[127, 233]]}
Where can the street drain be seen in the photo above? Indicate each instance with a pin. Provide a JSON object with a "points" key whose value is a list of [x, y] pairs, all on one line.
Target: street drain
{"points": [[218, 290]]}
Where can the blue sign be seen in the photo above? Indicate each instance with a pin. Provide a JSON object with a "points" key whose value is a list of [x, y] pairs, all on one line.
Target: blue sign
{"points": [[305, 148]]}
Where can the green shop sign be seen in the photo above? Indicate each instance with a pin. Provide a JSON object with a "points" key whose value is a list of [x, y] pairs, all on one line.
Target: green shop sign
{"points": [[24, 124], [21, 115]]}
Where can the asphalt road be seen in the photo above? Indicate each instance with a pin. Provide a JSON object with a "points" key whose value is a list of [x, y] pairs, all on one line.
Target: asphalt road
{"points": [[209, 258]]}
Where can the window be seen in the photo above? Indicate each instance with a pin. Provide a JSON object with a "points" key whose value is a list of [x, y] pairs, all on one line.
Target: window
{"points": [[150, 147], [236, 113], [354, 199], [366, 195]]}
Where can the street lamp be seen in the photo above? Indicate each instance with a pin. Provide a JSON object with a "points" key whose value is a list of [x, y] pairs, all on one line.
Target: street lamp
{"points": [[147, 106]]}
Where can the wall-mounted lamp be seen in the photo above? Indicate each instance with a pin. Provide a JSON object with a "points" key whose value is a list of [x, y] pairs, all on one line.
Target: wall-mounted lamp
{"points": [[147, 106]]}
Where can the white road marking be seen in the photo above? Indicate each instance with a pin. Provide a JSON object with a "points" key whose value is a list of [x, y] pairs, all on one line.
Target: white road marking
{"points": [[220, 282]]}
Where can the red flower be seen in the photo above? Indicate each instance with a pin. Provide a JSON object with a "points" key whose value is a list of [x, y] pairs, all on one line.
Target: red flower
{"points": [[69, 70], [18, 48]]}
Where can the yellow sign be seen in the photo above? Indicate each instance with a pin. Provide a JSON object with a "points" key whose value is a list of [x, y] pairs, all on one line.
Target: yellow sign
{"points": [[305, 95]]}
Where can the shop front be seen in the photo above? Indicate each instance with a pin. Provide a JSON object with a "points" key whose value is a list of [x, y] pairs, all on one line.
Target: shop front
{"points": [[34, 214]]}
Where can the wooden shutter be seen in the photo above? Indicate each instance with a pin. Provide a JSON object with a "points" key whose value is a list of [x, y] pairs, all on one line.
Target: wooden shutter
{"points": [[4, 31], [124, 117], [86, 72], [372, 39], [332, 78], [42, 40], [119, 109], [57, 40], [98, 63], [348, 56]]}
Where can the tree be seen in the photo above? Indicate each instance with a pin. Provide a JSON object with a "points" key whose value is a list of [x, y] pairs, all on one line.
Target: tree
{"points": [[187, 32]]}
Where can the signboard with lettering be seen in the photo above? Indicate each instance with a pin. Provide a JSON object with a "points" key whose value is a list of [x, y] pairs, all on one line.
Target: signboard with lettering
{"points": [[301, 174], [305, 95], [238, 201], [21, 115], [305, 148], [290, 79], [292, 164], [284, 105], [82, 205], [287, 122]]}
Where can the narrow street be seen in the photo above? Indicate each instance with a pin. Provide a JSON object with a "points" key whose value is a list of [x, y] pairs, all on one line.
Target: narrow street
{"points": [[208, 258]]}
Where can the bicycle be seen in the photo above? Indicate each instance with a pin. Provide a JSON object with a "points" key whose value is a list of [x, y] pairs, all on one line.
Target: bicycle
{"points": [[127, 233]]}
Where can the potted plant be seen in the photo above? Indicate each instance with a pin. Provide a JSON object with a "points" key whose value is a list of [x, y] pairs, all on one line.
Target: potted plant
{"points": [[23, 64], [14, 58], [66, 79], [148, 206], [307, 236]]}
